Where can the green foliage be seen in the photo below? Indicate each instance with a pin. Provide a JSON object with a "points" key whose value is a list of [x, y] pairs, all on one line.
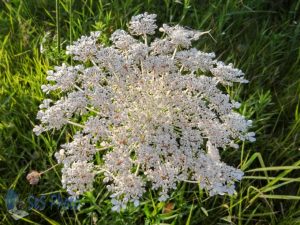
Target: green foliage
{"points": [[260, 37]]}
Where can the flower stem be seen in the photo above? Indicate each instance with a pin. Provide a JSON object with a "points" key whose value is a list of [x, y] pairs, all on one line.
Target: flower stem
{"points": [[137, 169], [75, 124], [52, 167], [57, 25], [174, 53]]}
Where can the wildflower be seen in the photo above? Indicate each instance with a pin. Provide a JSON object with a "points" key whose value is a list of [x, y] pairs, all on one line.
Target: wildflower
{"points": [[33, 177], [143, 24], [85, 48], [154, 112], [180, 36], [78, 177]]}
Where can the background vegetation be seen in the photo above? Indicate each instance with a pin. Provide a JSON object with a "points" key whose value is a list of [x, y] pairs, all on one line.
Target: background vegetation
{"points": [[262, 37]]}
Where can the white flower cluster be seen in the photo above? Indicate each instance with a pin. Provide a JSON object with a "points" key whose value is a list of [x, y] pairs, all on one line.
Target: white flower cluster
{"points": [[153, 111]]}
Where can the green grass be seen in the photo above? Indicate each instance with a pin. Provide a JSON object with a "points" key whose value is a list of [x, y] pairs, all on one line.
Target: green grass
{"points": [[260, 36]]}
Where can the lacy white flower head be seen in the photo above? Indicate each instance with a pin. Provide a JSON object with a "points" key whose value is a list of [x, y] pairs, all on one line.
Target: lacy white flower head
{"points": [[154, 112]]}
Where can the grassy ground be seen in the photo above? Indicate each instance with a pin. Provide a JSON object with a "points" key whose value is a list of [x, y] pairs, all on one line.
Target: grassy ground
{"points": [[262, 37]]}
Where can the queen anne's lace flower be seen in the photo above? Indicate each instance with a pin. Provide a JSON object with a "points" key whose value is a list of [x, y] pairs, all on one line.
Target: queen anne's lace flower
{"points": [[78, 177], [85, 48], [154, 112], [226, 74], [180, 36], [143, 24]]}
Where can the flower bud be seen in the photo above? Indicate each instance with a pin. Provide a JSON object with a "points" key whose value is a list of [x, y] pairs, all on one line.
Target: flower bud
{"points": [[33, 177]]}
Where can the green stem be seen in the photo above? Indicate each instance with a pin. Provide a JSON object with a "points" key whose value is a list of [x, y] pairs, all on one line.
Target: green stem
{"points": [[71, 22], [75, 124], [49, 168], [57, 25]]}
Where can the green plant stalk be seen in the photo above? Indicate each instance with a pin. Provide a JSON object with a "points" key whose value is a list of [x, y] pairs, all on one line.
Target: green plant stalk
{"points": [[57, 25]]}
